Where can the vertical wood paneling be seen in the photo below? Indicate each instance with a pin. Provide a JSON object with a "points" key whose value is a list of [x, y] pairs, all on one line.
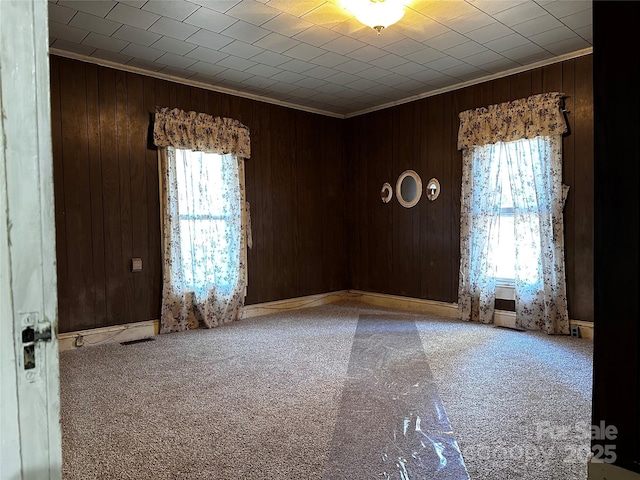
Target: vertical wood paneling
{"points": [[583, 248], [97, 221], [138, 132], [77, 208], [436, 154]]}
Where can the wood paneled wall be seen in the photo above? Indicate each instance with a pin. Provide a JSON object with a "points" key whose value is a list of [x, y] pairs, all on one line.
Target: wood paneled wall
{"points": [[416, 252], [107, 202]]}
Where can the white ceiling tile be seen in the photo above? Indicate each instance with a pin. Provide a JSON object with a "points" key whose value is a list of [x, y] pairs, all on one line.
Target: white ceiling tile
{"points": [[217, 5], [482, 58], [408, 68], [270, 58], [277, 43], [173, 28], [209, 39], [263, 70], [259, 82], [246, 32], [344, 45], [206, 54], [489, 33], [327, 15], [303, 92], [579, 20], [241, 49], [310, 82], [463, 71], [342, 78], [388, 61], [330, 59], [253, 12], [519, 53], [465, 50], [520, 13], [67, 32], [296, 8], [447, 10], [317, 36], [362, 84], [95, 7], [171, 8], [105, 43], [553, 36], [72, 47], [405, 46], [206, 79], [469, 22], [60, 14], [206, 68], [132, 16], [145, 53], [94, 24], [145, 65], [444, 63], [495, 6], [506, 43], [111, 56], [134, 3], [236, 63], [288, 77], [321, 72], [297, 66], [422, 31], [135, 35], [367, 53], [585, 32], [535, 57], [176, 61], [446, 40], [537, 25], [172, 45], [374, 73], [562, 8], [210, 19], [352, 66], [177, 72], [304, 52], [567, 46], [442, 82], [498, 66], [331, 88], [425, 56], [287, 25]]}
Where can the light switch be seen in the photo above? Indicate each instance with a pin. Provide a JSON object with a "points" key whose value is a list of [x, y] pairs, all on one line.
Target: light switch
{"points": [[136, 264]]}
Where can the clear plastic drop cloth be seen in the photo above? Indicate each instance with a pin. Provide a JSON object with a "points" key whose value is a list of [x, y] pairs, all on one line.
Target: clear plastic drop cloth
{"points": [[391, 422]]}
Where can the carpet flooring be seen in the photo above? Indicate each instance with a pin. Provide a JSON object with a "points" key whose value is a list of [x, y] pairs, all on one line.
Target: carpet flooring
{"points": [[341, 391]]}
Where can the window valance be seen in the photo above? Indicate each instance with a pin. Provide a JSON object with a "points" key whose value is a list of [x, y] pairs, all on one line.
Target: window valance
{"points": [[202, 132], [537, 115]]}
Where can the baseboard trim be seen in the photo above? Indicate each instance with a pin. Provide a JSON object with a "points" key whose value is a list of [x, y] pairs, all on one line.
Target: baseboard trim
{"points": [[139, 330], [112, 334], [502, 318], [609, 471], [279, 306]]}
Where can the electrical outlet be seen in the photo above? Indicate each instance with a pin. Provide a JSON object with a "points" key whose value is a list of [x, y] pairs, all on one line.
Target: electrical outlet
{"points": [[575, 331]]}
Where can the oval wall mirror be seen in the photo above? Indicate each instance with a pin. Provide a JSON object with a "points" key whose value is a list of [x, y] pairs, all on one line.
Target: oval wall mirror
{"points": [[386, 193], [433, 189], [409, 188]]}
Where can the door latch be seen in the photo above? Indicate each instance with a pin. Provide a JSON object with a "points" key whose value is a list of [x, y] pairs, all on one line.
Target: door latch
{"points": [[33, 333]]}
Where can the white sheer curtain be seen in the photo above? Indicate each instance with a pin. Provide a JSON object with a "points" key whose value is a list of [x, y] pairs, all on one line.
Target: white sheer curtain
{"points": [[204, 274], [204, 220], [525, 137]]}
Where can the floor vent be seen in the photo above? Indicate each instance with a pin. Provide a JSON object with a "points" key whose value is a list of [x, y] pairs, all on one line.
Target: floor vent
{"points": [[141, 340]]}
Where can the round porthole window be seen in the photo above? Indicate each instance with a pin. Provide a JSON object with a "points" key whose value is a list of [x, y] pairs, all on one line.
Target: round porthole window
{"points": [[409, 188]]}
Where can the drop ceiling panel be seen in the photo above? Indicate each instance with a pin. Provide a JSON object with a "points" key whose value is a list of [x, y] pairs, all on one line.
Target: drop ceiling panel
{"points": [[314, 55]]}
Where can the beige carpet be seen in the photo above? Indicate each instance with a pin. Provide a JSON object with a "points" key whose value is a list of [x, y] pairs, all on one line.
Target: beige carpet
{"points": [[263, 399]]}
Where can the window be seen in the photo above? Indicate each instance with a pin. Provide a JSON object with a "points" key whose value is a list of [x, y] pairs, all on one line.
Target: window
{"points": [[205, 216]]}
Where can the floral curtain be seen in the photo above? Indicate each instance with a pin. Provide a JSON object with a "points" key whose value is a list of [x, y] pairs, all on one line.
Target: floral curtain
{"points": [[527, 133], [203, 218]]}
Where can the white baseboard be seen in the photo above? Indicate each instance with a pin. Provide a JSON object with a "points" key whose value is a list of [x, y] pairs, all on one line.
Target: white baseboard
{"points": [[285, 305], [502, 318], [139, 330], [609, 471], [113, 334]]}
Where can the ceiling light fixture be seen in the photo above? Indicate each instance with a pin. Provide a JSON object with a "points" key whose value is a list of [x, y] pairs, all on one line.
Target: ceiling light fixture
{"points": [[377, 14]]}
